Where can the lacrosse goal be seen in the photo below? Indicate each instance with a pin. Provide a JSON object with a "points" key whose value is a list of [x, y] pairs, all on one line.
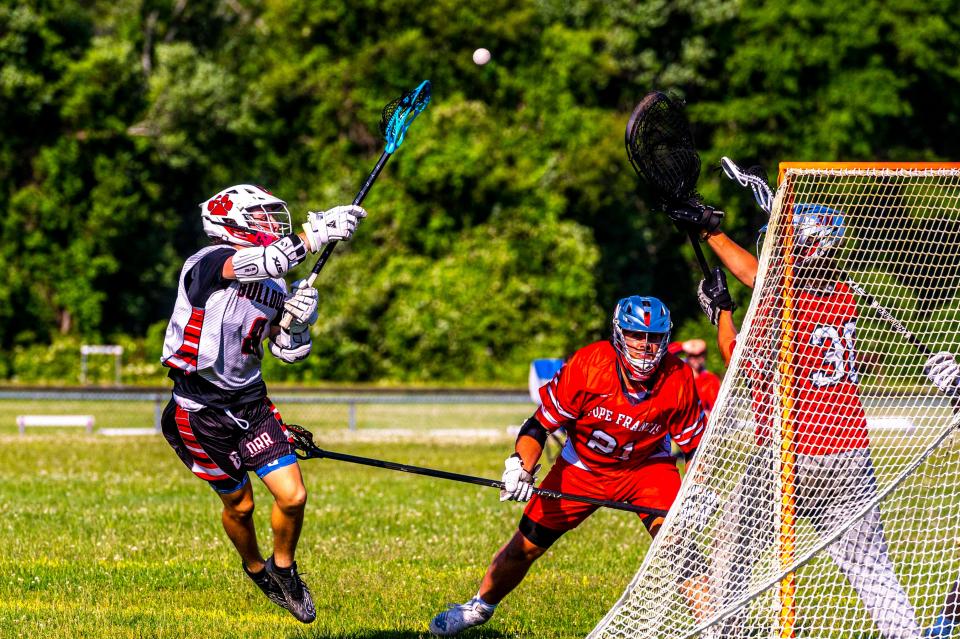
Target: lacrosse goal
{"points": [[825, 498]]}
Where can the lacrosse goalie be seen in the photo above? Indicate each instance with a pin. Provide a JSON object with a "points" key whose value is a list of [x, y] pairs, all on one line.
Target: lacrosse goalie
{"points": [[219, 420], [617, 399], [834, 470]]}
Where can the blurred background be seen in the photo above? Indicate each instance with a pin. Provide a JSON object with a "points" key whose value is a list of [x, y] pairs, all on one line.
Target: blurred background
{"points": [[507, 225]]}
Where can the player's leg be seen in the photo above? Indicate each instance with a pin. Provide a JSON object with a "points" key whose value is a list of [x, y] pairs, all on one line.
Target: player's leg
{"points": [[743, 535], [861, 552], [286, 519], [543, 522], [204, 441], [265, 448]]}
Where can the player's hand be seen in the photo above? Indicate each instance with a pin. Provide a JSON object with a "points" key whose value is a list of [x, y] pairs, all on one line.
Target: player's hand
{"points": [[337, 224], [695, 214], [943, 370], [702, 502], [302, 305], [517, 482], [714, 296]]}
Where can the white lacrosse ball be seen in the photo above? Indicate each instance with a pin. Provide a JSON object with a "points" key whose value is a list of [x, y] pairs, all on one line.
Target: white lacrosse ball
{"points": [[481, 56]]}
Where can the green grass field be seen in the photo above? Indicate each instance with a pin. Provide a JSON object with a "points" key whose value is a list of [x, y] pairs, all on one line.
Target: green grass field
{"points": [[113, 537]]}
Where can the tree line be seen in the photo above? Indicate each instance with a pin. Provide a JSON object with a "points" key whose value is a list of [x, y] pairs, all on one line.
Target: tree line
{"points": [[509, 222]]}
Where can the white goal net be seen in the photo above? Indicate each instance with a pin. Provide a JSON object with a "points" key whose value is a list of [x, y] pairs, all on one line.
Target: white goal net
{"points": [[825, 498]]}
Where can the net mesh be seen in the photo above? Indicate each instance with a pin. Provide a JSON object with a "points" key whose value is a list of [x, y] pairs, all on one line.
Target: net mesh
{"points": [[660, 146], [824, 500]]}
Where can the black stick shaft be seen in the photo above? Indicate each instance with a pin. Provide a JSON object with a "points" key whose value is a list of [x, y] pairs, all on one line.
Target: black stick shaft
{"points": [[328, 249], [888, 316], [479, 481], [695, 242]]}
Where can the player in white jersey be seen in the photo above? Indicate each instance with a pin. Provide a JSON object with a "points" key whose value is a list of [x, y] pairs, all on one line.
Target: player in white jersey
{"points": [[219, 421]]}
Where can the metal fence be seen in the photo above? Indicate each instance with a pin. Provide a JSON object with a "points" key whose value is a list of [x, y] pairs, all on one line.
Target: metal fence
{"points": [[350, 399]]}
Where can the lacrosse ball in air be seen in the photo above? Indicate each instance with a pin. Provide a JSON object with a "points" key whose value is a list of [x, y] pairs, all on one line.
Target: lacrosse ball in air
{"points": [[481, 56]]}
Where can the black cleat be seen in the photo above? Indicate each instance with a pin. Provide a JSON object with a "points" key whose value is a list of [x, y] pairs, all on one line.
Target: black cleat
{"points": [[267, 586], [295, 592]]}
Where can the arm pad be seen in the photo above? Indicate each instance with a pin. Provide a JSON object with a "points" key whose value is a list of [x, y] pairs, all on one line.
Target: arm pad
{"points": [[533, 428], [262, 262]]}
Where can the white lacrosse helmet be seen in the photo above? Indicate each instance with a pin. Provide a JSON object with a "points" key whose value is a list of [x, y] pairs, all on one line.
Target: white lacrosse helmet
{"points": [[245, 215]]}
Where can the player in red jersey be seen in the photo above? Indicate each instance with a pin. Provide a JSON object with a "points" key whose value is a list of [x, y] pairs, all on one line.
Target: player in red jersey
{"points": [[834, 471], [617, 400]]}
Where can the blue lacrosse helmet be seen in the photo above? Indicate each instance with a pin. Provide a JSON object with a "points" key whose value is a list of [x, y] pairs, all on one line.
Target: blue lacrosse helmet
{"points": [[645, 321], [816, 229]]}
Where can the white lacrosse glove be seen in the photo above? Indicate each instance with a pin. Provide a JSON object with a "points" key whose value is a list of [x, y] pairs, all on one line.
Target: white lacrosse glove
{"points": [[702, 503], [337, 224], [292, 346], [517, 483], [302, 305], [943, 370]]}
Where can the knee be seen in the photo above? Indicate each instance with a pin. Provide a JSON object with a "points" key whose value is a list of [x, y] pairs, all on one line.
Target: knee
{"points": [[240, 510], [519, 549], [293, 501]]}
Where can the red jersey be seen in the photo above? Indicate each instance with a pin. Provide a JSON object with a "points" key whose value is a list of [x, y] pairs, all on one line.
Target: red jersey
{"points": [[827, 413], [708, 386], [606, 427]]}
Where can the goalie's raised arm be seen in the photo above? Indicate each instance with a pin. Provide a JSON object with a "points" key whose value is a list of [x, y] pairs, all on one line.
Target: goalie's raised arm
{"points": [[718, 306]]}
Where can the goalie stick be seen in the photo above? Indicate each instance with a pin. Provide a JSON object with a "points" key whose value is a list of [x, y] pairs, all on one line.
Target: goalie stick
{"points": [[305, 448], [661, 150], [395, 119]]}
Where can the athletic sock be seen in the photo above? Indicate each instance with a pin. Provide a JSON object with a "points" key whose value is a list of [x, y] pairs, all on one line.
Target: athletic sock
{"points": [[283, 571], [483, 605]]}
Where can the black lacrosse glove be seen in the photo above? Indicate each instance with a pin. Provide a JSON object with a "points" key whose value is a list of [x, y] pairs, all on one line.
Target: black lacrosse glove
{"points": [[696, 215], [714, 296]]}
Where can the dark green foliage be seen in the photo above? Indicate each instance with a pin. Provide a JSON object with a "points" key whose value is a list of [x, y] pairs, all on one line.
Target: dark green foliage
{"points": [[510, 221]]}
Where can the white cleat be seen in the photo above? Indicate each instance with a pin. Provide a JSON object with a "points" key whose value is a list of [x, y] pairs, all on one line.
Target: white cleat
{"points": [[459, 617]]}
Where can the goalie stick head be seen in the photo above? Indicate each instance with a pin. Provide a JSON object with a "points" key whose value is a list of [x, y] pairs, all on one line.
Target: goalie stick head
{"points": [[661, 148], [641, 334], [245, 215]]}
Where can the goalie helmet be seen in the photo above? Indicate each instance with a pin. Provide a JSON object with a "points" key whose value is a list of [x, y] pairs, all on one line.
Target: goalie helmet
{"points": [[817, 229], [245, 215], [641, 333]]}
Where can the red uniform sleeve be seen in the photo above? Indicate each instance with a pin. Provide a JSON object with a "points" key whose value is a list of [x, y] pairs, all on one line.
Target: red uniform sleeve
{"points": [[689, 421], [561, 399]]}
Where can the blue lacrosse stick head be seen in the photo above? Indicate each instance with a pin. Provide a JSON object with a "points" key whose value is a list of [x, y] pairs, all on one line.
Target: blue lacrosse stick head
{"points": [[400, 114]]}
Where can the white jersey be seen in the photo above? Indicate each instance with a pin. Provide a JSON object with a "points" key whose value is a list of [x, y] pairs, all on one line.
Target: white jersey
{"points": [[217, 329]]}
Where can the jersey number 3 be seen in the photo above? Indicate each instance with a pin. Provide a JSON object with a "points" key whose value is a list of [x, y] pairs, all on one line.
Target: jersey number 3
{"points": [[839, 357]]}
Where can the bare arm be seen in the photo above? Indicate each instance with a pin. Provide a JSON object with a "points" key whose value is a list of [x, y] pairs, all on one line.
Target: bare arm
{"points": [[529, 450], [726, 335], [738, 260]]}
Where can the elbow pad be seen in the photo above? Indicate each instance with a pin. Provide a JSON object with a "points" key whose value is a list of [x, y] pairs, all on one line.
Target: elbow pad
{"points": [[533, 428], [262, 262], [291, 347]]}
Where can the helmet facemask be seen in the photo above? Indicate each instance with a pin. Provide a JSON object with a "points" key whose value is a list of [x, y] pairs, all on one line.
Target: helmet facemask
{"points": [[639, 353], [818, 232], [641, 333], [246, 215]]}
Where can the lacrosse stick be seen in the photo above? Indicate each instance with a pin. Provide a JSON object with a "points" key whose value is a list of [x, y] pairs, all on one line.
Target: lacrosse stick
{"points": [[754, 178], [394, 122], [305, 449], [661, 150]]}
